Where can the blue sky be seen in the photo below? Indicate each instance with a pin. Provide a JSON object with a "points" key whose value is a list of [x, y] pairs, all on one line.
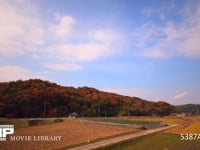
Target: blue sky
{"points": [[144, 48]]}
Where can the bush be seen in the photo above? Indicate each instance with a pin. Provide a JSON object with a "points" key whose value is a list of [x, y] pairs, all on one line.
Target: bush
{"points": [[33, 122], [58, 120]]}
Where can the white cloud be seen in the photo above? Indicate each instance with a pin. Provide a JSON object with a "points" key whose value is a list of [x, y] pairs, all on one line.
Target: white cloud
{"points": [[180, 96], [98, 44], [146, 33], [64, 26], [104, 35], [155, 53], [23, 31], [191, 35], [11, 73], [89, 46], [135, 92], [172, 39], [77, 52], [19, 30], [66, 67]]}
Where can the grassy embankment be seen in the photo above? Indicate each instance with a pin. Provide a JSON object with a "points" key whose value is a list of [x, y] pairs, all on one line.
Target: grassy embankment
{"points": [[167, 140], [22, 123]]}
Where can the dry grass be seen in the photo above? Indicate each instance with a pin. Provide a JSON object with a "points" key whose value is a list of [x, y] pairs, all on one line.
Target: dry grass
{"points": [[166, 140], [168, 119], [190, 125], [193, 128], [72, 132]]}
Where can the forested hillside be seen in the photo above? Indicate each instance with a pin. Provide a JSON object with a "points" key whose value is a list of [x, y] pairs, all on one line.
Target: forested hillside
{"points": [[38, 98], [190, 109]]}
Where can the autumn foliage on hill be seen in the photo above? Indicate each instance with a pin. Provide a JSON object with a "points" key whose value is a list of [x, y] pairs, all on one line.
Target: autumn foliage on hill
{"points": [[38, 98]]}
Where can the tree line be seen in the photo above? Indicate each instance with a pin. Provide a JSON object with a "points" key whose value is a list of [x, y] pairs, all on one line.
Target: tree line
{"points": [[38, 98]]}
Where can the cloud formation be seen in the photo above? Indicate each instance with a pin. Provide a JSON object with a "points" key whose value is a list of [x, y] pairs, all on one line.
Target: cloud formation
{"points": [[64, 67], [20, 31], [23, 32], [172, 39], [142, 93], [180, 96], [64, 26], [10, 73], [98, 44]]}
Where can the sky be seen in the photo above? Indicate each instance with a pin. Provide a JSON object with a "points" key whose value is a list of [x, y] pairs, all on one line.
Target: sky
{"points": [[144, 48]]}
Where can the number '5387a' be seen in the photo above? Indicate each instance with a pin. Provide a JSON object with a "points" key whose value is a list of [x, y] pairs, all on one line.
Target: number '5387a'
{"points": [[190, 136]]}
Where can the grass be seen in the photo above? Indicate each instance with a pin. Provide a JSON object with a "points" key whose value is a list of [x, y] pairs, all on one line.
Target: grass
{"points": [[193, 128], [124, 121], [128, 123], [18, 123], [22, 123], [160, 141], [190, 125], [168, 119], [167, 140]]}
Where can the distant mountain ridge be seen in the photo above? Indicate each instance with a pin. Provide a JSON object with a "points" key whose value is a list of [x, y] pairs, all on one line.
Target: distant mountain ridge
{"points": [[191, 109], [38, 98]]}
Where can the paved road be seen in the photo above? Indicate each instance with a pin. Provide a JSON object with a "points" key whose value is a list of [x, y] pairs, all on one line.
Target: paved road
{"points": [[120, 139]]}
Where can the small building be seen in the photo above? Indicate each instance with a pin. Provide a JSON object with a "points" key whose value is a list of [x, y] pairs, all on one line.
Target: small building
{"points": [[181, 115], [173, 114], [73, 115]]}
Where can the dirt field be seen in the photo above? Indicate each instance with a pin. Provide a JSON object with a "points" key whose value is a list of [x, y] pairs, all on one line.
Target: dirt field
{"points": [[71, 130]]}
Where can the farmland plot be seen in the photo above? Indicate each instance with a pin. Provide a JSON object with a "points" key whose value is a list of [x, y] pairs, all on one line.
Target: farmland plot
{"points": [[72, 132]]}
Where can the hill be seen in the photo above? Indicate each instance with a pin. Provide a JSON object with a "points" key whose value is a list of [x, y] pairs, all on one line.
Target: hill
{"points": [[192, 109], [38, 98]]}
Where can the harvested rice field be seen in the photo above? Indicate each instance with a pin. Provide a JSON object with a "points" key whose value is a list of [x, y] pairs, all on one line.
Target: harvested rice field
{"points": [[72, 132]]}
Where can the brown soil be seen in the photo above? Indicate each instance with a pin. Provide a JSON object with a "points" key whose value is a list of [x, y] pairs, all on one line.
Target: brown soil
{"points": [[71, 130]]}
